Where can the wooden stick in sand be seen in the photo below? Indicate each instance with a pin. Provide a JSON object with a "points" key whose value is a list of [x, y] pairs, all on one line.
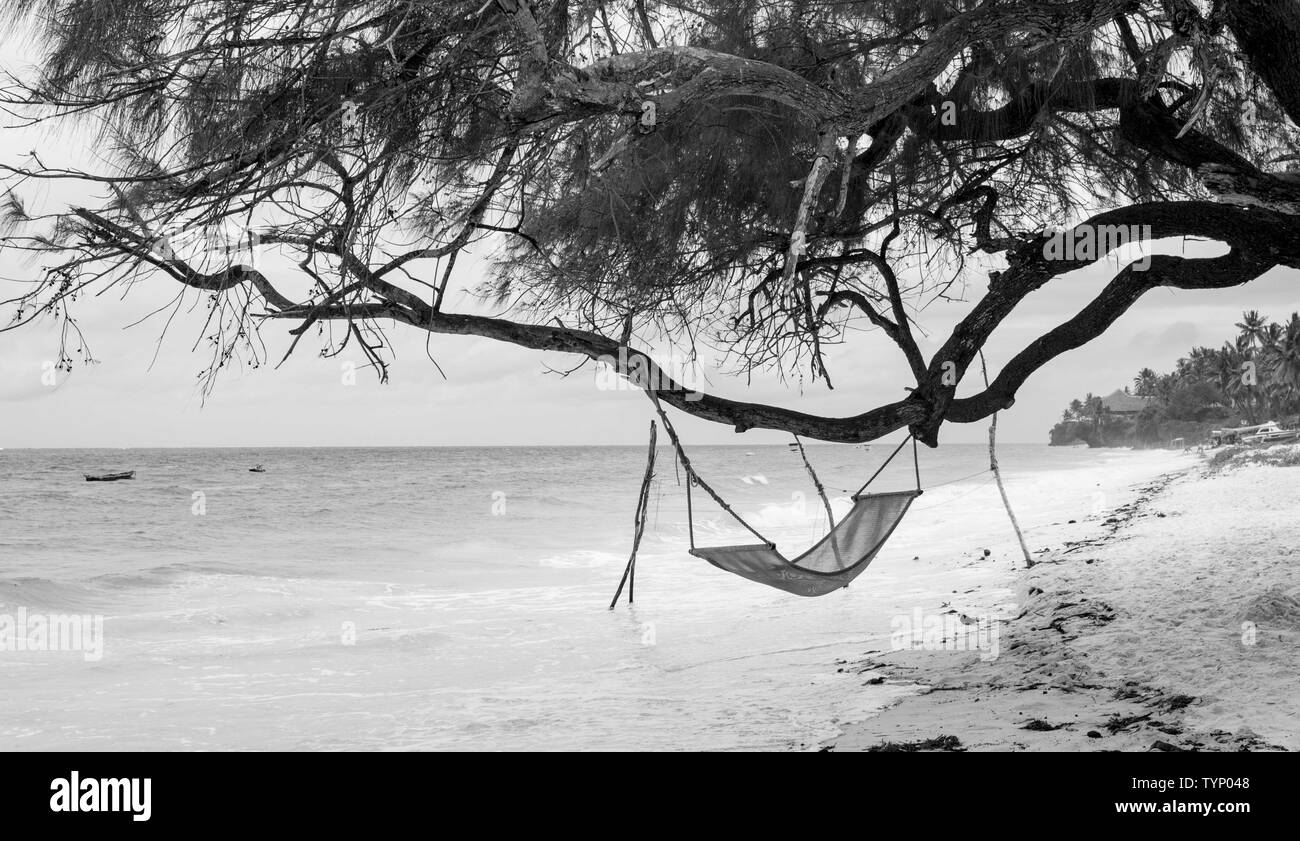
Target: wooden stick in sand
{"points": [[642, 506], [997, 474]]}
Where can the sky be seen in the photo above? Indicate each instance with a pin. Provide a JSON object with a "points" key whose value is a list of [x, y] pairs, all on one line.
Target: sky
{"points": [[145, 392]]}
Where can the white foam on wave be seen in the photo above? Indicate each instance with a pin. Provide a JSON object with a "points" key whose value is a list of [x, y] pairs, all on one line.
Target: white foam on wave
{"points": [[581, 559]]}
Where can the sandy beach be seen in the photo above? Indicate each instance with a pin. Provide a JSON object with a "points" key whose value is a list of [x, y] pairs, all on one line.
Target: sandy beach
{"points": [[1167, 622]]}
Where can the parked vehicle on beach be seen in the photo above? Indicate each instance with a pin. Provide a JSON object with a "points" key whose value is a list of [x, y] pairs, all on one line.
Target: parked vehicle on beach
{"points": [[1269, 432]]}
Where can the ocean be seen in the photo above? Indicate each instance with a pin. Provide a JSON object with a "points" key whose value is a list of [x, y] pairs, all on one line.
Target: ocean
{"points": [[456, 598]]}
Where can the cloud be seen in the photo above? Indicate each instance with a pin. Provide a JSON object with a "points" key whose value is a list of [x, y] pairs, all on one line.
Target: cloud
{"points": [[1177, 337]]}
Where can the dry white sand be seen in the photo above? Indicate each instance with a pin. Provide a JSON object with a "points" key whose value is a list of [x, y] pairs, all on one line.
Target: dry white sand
{"points": [[1171, 623]]}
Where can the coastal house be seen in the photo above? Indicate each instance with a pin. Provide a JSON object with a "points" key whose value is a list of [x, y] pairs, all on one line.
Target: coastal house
{"points": [[1120, 403]]}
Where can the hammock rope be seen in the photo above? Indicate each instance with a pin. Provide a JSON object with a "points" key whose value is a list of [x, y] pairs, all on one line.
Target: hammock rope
{"points": [[915, 463], [694, 478], [821, 493]]}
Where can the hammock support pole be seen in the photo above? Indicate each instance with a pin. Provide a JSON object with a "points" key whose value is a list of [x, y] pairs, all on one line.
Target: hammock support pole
{"points": [[997, 474], [642, 506]]}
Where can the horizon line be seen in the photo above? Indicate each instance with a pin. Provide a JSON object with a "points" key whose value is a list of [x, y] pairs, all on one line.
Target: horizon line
{"points": [[482, 446]]}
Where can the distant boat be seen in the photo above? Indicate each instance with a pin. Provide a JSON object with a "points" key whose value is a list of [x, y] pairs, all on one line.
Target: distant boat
{"points": [[258, 469], [111, 477]]}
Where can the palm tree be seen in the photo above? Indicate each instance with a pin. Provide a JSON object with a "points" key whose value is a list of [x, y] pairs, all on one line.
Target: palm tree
{"points": [[1228, 375], [1205, 362], [1284, 363], [1144, 384], [1094, 409], [1165, 386], [1252, 397], [1252, 326]]}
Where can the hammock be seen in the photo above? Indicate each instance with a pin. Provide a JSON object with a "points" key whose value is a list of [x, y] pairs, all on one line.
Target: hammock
{"points": [[834, 561], [859, 536]]}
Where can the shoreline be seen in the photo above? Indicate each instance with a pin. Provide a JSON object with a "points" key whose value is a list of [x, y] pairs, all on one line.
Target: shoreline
{"points": [[1129, 633]]}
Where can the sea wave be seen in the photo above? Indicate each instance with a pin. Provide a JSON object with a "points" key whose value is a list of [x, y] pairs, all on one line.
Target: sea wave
{"points": [[581, 559]]}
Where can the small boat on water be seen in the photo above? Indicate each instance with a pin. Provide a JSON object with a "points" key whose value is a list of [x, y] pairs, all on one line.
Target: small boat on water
{"points": [[258, 469], [110, 477]]}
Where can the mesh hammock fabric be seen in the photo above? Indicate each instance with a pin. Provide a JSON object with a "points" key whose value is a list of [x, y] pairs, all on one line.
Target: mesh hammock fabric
{"points": [[838, 558]]}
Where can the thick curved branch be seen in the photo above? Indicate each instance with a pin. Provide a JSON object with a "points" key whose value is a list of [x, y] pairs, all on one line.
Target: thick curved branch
{"points": [[1259, 240], [1253, 236], [691, 75], [1121, 293], [637, 365]]}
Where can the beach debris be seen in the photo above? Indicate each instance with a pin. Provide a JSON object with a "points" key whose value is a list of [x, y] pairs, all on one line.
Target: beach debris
{"points": [[1092, 612], [1175, 702], [1117, 723], [1129, 691], [1093, 734], [1038, 725], [938, 743]]}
